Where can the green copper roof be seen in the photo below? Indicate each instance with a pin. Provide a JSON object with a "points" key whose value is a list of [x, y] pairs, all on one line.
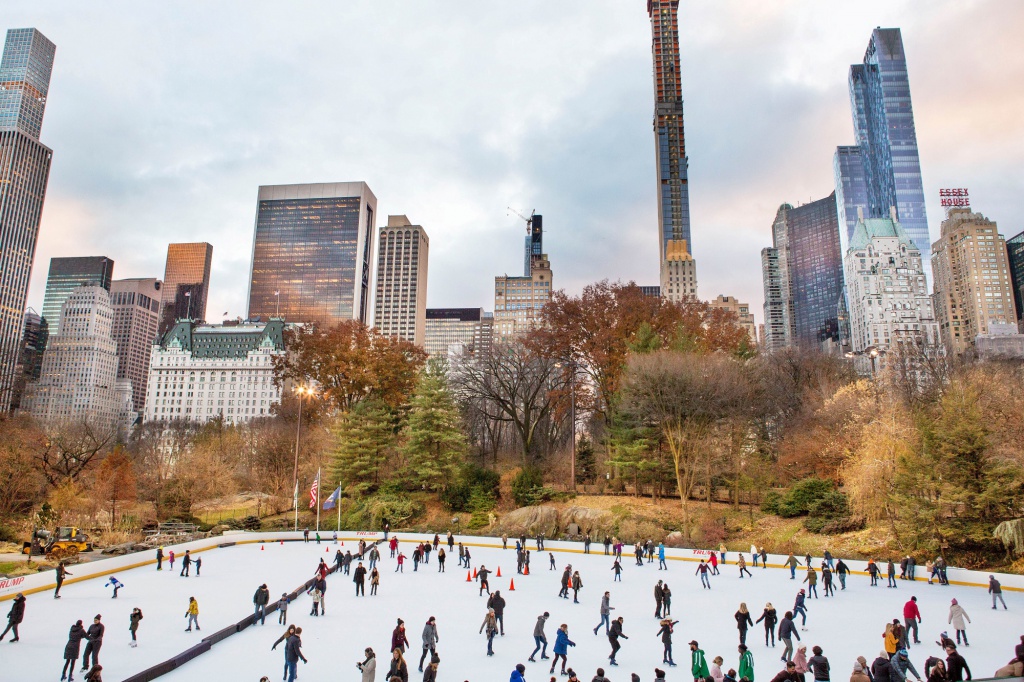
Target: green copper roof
{"points": [[208, 341], [870, 228]]}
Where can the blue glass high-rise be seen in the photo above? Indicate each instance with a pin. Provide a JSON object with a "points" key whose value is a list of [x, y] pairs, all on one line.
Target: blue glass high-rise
{"points": [[884, 168]]}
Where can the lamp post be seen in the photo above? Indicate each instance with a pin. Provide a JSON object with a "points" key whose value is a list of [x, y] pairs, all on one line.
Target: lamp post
{"points": [[301, 392]]}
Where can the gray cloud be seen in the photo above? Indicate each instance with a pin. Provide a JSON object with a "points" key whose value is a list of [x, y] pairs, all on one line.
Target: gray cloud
{"points": [[165, 120]]}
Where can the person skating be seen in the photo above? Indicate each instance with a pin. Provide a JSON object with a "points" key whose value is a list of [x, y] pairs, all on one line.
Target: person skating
{"points": [[398, 639], [282, 609], [702, 571], [606, 612], [901, 665], [133, 625], [667, 625], [93, 643], [994, 588], [566, 577], [789, 674], [577, 585], [617, 568], [430, 639], [638, 552], [399, 669], [956, 666], [938, 672], [716, 669], [818, 665], [159, 558], [561, 648], [260, 600], [873, 572], [770, 618], [539, 638], [400, 563], [186, 563], [662, 566], [491, 626], [374, 581], [698, 664], [441, 556], [518, 674], [497, 602], [746, 668], [71, 651], [842, 570], [199, 564], [192, 614], [891, 573], [812, 582], [764, 563], [170, 558], [613, 638], [742, 563], [659, 598], [14, 617], [607, 545], [430, 674], [743, 621], [293, 654], [787, 631], [368, 666], [359, 578], [482, 577], [912, 617], [754, 555], [95, 674], [62, 571], [315, 594], [713, 562], [666, 609], [792, 562], [957, 615], [826, 580], [891, 641], [114, 583], [800, 606], [551, 561]]}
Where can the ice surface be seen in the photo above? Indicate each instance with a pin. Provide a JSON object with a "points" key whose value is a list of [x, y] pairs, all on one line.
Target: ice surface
{"points": [[845, 626]]}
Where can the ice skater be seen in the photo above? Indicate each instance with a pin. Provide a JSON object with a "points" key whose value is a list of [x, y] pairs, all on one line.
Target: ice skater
{"points": [[994, 588], [199, 564], [186, 563], [742, 563], [792, 562], [159, 558], [491, 625], [613, 639], [606, 611], [665, 632], [746, 663], [497, 602], [617, 567], [577, 584], [260, 600], [374, 581], [133, 625], [293, 654], [359, 578], [800, 606], [539, 638], [956, 619], [62, 571], [787, 631], [93, 644], [566, 578], [282, 609], [71, 651], [770, 618], [430, 639], [482, 577], [662, 566], [14, 617], [842, 570], [702, 571], [192, 614], [115, 583], [812, 582], [743, 621], [562, 644], [698, 664], [912, 617], [170, 558]]}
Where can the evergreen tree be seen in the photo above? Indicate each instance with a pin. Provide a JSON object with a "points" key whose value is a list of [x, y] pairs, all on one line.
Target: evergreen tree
{"points": [[586, 461], [434, 441], [364, 437]]}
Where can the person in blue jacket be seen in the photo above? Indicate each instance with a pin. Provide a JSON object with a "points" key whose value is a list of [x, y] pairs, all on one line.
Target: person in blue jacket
{"points": [[562, 644], [517, 674], [661, 557]]}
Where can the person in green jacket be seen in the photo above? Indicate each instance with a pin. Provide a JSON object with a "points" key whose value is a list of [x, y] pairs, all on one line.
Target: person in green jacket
{"points": [[698, 666], [792, 562], [746, 664]]}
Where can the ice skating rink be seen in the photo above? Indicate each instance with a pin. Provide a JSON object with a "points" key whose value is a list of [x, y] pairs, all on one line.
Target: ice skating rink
{"points": [[845, 626]]}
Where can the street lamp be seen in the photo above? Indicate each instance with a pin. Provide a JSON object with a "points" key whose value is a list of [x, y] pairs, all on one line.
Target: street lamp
{"points": [[301, 392]]}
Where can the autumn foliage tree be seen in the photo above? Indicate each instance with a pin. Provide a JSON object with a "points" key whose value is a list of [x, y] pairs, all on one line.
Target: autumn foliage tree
{"points": [[115, 482]]}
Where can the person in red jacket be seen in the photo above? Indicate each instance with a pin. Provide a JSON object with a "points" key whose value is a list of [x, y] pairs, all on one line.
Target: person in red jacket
{"points": [[911, 617]]}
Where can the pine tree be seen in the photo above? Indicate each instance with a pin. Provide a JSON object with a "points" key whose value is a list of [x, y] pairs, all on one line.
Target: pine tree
{"points": [[434, 441], [364, 437]]}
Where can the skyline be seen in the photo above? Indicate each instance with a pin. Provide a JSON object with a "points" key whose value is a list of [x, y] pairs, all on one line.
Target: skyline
{"points": [[485, 123]]}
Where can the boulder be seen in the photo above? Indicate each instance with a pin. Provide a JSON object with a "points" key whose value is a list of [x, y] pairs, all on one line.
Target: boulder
{"points": [[529, 521], [675, 539], [597, 522]]}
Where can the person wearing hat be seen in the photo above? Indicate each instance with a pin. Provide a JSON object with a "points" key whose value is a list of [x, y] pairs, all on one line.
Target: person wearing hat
{"points": [[901, 665], [15, 616], [261, 599], [746, 663], [956, 619], [698, 664], [71, 651], [94, 640], [398, 639], [430, 675], [369, 665], [912, 616], [800, 606], [430, 639], [599, 677]]}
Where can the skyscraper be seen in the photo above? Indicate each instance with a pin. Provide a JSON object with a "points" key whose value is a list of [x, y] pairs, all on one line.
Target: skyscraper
{"points": [[25, 70], [678, 269], [66, 275], [465, 330], [186, 283], [884, 169], [1015, 261], [972, 279], [30, 360], [518, 301], [136, 304], [534, 246], [803, 276], [312, 251], [400, 304]]}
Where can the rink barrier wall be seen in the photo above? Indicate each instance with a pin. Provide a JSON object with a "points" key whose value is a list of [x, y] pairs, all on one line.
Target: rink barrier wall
{"points": [[103, 568]]}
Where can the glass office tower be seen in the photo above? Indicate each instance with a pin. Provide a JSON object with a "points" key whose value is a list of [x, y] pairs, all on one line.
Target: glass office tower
{"points": [[889, 172], [312, 250], [25, 70], [66, 275], [1015, 259], [186, 283]]}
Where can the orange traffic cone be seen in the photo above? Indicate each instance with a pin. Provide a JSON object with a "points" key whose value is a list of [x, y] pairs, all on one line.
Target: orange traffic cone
{"points": [[261, 547], [474, 573], [498, 574], [526, 570], [569, 583], [469, 578], [282, 542], [511, 585], [327, 549]]}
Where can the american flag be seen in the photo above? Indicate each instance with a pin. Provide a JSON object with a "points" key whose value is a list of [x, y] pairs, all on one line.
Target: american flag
{"points": [[314, 491]]}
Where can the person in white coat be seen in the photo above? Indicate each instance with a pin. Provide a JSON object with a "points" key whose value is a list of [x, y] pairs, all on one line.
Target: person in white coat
{"points": [[369, 666], [956, 619]]}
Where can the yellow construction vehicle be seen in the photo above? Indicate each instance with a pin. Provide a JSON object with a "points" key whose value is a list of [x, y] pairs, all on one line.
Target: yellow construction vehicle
{"points": [[64, 543]]}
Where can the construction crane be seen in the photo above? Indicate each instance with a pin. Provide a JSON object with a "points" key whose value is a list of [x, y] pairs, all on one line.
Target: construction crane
{"points": [[529, 221]]}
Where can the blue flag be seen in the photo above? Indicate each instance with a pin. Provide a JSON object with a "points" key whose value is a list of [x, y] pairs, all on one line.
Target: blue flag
{"points": [[333, 499]]}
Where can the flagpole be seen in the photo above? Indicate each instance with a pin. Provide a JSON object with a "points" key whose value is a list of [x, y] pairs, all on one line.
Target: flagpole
{"points": [[337, 501], [317, 500]]}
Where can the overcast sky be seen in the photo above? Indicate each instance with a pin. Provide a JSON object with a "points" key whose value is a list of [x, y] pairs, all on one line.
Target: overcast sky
{"points": [[164, 119]]}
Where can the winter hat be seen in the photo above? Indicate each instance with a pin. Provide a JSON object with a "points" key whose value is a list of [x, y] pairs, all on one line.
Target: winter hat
{"points": [[883, 654], [858, 667], [401, 622], [802, 592], [954, 602], [520, 667], [434, 658]]}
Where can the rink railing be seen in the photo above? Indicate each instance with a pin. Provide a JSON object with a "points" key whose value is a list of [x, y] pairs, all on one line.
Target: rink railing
{"points": [[41, 582]]}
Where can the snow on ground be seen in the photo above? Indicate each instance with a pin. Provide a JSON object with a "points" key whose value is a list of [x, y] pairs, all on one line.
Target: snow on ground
{"points": [[845, 626]]}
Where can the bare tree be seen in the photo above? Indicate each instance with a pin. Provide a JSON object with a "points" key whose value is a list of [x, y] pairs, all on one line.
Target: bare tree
{"points": [[70, 449]]}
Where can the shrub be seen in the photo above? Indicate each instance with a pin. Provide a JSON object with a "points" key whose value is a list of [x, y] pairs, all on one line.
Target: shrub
{"points": [[712, 531], [526, 485], [847, 524], [7, 534], [474, 488], [798, 500], [830, 508], [770, 504], [397, 509]]}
